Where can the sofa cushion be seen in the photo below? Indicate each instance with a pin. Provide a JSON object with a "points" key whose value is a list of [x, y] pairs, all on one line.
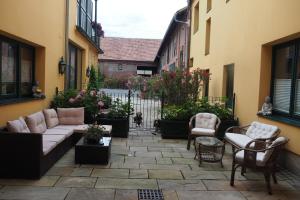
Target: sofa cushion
{"points": [[18, 126], [205, 120], [48, 146], [36, 122], [51, 118], [57, 131], [259, 130], [70, 116], [203, 132], [260, 158], [238, 139], [54, 138], [67, 127]]}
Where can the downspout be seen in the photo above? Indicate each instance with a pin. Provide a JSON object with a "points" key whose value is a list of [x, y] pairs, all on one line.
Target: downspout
{"points": [[189, 34], [67, 37]]}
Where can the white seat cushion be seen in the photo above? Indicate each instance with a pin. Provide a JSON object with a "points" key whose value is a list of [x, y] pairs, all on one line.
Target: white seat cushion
{"points": [[238, 139], [48, 146], [259, 130], [54, 138], [203, 132], [57, 131], [260, 158], [67, 127]]}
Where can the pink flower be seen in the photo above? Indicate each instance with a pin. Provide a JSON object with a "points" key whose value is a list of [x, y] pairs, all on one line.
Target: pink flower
{"points": [[72, 100], [100, 104]]}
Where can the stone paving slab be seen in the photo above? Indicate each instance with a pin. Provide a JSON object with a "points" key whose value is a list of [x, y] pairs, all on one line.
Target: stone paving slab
{"points": [[148, 154], [138, 173], [208, 195], [126, 165], [164, 149], [176, 167], [140, 160], [185, 161], [181, 185], [84, 182], [165, 174], [111, 173], [113, 183], [126, 195], [139, 149], [171, 154], [45, 181], [60, 171], [33, 193], [188, 174], [170, 195], [90, 194], [82, 171], [164, 161]]}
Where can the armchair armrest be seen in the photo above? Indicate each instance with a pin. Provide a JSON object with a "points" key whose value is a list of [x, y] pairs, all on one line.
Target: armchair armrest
{"points": [[237, 129], [191, 122]]}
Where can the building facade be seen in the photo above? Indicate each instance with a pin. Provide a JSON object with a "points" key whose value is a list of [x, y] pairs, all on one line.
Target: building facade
{"points": [[35, 36], [125, 57], [251, 49], [172, 53]]}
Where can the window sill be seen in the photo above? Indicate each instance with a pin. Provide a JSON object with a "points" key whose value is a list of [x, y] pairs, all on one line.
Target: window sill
{"points": [[279, 118], [18, 100]]}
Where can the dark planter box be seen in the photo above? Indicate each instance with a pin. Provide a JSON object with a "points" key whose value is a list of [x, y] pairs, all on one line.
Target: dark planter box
{"points": [[171, 129], [225, 124], [120, 127]]}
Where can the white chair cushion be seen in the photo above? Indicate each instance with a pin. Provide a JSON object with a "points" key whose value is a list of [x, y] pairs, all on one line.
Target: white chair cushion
{"points": [[260, 158], [57, 131], [203, 132], [259, 130], [205, 120], [54, 138], [238, 139], [48, 146]]}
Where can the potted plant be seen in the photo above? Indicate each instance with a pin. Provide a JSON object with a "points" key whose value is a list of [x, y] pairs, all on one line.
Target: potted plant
{"points": [[118, 117], [94, 134]]}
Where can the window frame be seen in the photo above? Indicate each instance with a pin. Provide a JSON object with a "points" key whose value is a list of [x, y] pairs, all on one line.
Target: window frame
{"points": [[18, 83], [291, 114]]}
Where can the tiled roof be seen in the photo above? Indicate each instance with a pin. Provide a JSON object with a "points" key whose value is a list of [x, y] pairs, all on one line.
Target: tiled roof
{"points": [[129, 49]]}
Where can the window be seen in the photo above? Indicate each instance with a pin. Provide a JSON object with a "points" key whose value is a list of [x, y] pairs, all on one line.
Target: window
{"points": [[228, 78], [85, 15], [196, 18], [207, 36], [209, 5], [285, 89], [73, 72], [227, 1], [16, 69]]}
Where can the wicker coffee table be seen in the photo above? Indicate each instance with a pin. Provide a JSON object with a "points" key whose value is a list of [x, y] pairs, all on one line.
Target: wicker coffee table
{"points": [[209, 149]]}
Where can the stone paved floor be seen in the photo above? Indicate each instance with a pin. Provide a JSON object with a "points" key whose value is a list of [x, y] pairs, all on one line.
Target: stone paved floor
{"points": [[147, 161]]}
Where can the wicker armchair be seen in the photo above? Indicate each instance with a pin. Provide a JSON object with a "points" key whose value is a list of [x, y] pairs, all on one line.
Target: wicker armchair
{"points": [[202, 124], [240, 137], [261, 159]]}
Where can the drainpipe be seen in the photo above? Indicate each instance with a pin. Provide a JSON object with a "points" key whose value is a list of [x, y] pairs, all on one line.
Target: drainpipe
{"points": [[189, 34], [67, 36]]}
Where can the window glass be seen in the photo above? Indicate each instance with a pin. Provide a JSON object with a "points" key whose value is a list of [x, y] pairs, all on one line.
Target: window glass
{"points": [[283, 78], [8, 69], [297, 94], [26, 71], [83, 19], [83, 4]]}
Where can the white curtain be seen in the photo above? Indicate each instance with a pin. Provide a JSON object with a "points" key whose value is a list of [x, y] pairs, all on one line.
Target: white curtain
{"points": [[282, 95]]}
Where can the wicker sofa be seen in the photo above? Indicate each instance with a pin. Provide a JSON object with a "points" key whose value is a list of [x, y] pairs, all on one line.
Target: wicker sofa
{"points": [[30, 146]]}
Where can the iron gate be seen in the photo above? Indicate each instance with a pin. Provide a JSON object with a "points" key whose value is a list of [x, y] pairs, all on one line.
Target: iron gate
{"points": [[149, 108]]}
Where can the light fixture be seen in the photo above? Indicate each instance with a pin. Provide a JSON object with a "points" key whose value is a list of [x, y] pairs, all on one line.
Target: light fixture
{"points": [[88, 71], [62, 66]]}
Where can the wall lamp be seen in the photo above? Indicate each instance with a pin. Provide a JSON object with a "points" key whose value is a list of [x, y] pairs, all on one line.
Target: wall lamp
{"points": [[88, 72], [62, 66]]}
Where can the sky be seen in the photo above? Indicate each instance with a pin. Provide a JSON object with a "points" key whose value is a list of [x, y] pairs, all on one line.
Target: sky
{"points": [[137, 18]]}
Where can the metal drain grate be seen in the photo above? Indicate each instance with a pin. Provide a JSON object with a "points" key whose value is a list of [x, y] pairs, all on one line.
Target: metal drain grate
{"points": [[147, 194]]}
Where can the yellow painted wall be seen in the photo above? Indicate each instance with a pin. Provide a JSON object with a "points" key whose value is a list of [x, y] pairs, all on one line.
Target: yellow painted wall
{"points": [[41, 23], [243, 32]]}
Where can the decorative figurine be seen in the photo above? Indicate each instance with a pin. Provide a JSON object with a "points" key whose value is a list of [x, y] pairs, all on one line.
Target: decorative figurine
{"points": [[36, 91], [266, 107]]}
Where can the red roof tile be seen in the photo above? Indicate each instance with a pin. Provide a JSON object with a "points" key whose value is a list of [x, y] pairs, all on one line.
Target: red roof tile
{"points": [[129, 49]]}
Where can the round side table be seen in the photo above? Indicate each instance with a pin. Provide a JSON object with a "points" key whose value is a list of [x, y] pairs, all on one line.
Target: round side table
{"points": [[209, 149]]}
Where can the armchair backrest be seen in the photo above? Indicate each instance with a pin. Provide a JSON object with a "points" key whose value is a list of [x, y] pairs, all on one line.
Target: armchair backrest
{"points": [[206, 120], [259, 130]]}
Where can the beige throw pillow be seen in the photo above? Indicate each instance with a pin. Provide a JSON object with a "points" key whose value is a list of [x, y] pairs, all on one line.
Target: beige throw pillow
{"points": [[70, 116], [36, 122], [51, 118], [18, 126]]}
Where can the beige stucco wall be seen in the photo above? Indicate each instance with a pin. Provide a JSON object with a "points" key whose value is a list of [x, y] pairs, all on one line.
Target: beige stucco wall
{"points": [[41, 23], [243, 32]]}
